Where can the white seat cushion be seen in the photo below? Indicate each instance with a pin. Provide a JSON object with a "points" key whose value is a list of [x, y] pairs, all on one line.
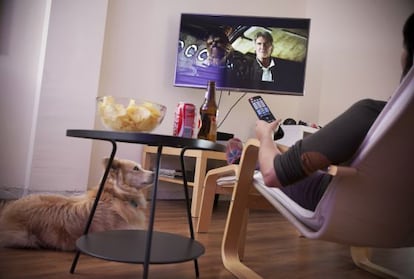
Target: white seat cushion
{"points": [[281, 201]]}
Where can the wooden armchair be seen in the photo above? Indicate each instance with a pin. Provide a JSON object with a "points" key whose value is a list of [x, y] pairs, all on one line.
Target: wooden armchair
{"points": [[222, 181], [213, 187], [369, 204]]}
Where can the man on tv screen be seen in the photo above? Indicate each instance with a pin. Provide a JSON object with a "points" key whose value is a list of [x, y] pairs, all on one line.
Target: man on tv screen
{"points": [[263, 68]]}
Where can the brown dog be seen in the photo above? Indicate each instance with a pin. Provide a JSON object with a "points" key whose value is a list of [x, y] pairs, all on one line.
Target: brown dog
{"points": [[56, 222]]}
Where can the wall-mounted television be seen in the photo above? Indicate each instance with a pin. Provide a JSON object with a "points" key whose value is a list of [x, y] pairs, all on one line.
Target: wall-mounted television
{"points": [[243, 53]]}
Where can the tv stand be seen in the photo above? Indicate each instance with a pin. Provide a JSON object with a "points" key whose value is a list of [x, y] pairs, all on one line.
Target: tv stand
{"points": [[201, 157]]}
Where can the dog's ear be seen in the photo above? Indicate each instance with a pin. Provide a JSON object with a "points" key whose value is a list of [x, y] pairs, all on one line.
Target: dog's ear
{"points": [[115, 163]]}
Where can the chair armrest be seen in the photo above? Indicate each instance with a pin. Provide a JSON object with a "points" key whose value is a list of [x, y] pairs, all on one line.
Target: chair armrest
{"points": [[252, 141], [224, 171], [341, 170]]}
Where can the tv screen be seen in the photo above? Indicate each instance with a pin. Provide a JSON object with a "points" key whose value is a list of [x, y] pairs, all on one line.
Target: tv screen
{"points": [[243, 53]]}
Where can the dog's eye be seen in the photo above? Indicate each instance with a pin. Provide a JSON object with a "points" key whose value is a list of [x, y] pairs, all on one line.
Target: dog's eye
{"points": [[136, 168]]}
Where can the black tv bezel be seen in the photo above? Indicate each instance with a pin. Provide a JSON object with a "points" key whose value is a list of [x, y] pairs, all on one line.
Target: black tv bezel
{"points": [[278, 22]]}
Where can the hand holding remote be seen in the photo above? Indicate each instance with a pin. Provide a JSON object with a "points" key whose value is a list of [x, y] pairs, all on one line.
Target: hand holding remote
{"points": [[263, 113]]}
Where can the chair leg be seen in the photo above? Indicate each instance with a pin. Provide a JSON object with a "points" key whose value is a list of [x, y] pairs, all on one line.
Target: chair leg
{"points": [[206, 207], [243, 233], [235, 230], [232, 251], [232, 247], [362, 258]]}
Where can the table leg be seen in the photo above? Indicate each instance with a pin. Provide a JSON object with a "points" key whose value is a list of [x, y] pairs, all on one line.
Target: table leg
{"points": [[188, 206], [152, 215], [95, 204]]}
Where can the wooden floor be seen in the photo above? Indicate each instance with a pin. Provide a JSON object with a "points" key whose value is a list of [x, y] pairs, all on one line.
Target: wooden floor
{"points": [[273, 249]]}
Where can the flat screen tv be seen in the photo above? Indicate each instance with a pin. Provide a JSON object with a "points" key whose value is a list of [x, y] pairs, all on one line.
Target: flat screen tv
{"points": [[227, 49]]}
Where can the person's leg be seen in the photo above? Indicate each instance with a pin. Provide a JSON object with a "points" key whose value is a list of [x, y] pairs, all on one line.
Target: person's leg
{"points": [[308, 191], [335, 143], [340, 138]]}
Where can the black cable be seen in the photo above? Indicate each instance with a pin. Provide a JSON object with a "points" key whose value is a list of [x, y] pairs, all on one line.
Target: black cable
{"points": [[230, 109], [219, 101]]}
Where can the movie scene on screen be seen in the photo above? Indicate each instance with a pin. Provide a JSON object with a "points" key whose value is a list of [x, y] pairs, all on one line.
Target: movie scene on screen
{"points": [[243, 53]]}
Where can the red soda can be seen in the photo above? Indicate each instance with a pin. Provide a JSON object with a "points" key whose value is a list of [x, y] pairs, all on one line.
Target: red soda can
{"points": [[184, 120]]}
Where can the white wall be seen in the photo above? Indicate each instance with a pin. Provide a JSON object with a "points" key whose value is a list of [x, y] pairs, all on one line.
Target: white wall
{"points": [[127, 47], [354, 53], [67, 99], [49, 77], [20, 56], [139, 59]]}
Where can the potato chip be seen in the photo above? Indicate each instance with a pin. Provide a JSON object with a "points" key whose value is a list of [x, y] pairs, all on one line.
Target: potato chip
{"points": [[143, 117]]}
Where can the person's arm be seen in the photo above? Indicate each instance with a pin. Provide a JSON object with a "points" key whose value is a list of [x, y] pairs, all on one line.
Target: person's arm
{"points": [[267, 151]]}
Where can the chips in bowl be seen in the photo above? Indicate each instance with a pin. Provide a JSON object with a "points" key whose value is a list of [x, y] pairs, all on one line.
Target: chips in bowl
{"points": [[127, 114]]}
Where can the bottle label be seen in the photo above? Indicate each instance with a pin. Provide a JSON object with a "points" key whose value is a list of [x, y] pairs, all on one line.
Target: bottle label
{"points": [[208, 129]]}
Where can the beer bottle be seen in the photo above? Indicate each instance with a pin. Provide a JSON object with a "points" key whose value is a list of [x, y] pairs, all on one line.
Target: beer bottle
{"points": [[208, 114]]}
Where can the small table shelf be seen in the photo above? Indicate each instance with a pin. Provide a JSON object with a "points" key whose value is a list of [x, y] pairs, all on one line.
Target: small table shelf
{"points": [[123, 246], [142, 246]]}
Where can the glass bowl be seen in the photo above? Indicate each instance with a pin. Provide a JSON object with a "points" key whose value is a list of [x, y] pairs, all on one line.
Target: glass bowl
{"points": [[129, 114]]}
